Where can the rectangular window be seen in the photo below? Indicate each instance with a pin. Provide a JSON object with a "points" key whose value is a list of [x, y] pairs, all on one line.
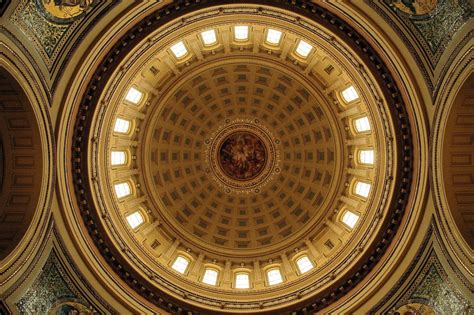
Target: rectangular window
{"points": [[180, 264], [135, 219], [304, 264], [134, 96], [274, 276], [179, 50], [241, 32], [362, 124], [122, 125], [209, 37], [122, 190], [303, 49], [362, 189], [118, 157], [366, 156], [350, 94], [242, 281], [273, 36], [210, 276], [350, 219]]}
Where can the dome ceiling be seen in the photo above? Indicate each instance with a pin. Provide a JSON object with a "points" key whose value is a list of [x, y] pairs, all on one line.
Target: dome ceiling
{"points": [[191, 138], [237, 158]]}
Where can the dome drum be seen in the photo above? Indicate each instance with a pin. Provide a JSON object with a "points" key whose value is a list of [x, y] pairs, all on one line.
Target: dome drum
{"points": [[249, 154]]}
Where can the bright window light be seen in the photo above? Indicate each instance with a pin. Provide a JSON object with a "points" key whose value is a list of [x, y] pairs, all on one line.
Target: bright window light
{"points": [[122, 125], [350, 94], [241, 32], [134, 96], [135, 219], [179, 50], [210, 276], [242, 280], [209, 37], [350, 219], [180, 264], [274, 276], [122, 190], [273, 37], [303, 49], [304, 264], [362, 189], [118, 157], [362, 124], [366, 156]]}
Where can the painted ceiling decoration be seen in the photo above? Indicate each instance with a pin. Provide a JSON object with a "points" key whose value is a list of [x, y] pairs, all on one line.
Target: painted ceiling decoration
{"points": [[427, 286], [194, 112], [236, 157], [52, 25], [432, 24]]}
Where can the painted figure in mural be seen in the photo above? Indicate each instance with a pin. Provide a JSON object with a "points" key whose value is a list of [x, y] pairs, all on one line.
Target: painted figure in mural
{"points": [[83, 4], [67, 9], [242, 156], [414, 309], [415, 7]]}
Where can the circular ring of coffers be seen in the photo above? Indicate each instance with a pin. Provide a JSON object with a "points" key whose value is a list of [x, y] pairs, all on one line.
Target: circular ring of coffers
{"points": [[90, 102]]}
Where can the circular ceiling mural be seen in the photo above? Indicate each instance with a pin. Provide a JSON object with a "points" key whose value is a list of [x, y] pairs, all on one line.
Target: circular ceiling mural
{"points": [[238, 155], [242, 155]]}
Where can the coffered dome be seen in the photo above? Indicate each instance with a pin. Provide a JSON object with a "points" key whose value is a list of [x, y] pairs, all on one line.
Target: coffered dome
{"points": [[237, 157]]}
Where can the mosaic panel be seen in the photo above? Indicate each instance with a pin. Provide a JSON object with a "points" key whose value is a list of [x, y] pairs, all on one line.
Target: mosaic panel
{"points": [[436, 21], [431, 292], [48, 25], [51, 290]]}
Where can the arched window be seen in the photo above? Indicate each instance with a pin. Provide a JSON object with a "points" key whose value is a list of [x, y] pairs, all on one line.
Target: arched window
{"points": [[303, 49], [180, 264], [118, 158], [122, 190], [304, 264], [350, 94], [362, 189], [273, 37], [362, 124], [242, 280], [135, 219], [366, 156], [210, 276], [134, 96], [209, 37], [122, 126], [179, 50], [241, 32], [274, 276], [350, 219]]}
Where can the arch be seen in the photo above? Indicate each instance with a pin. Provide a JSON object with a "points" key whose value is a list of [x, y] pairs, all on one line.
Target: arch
{"points": [[21, 157]]}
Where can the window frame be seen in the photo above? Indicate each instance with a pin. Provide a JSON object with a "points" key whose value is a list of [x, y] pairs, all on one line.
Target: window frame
{"points": [[354, 188], [267, 275], [186, 269], [347, 226], [140, 101], [140, 212], [242, 272]]}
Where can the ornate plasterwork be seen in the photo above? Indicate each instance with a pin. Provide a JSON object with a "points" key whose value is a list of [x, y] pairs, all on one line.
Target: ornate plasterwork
{"points": [[428, 28], [270, 160], [48, 36], [436, 25], [51, 287], [402, 180], [426, 285], [49, 31]]}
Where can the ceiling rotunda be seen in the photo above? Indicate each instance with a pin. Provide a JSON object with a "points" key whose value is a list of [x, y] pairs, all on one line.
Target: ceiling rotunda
{"points": [[242, 157]]}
